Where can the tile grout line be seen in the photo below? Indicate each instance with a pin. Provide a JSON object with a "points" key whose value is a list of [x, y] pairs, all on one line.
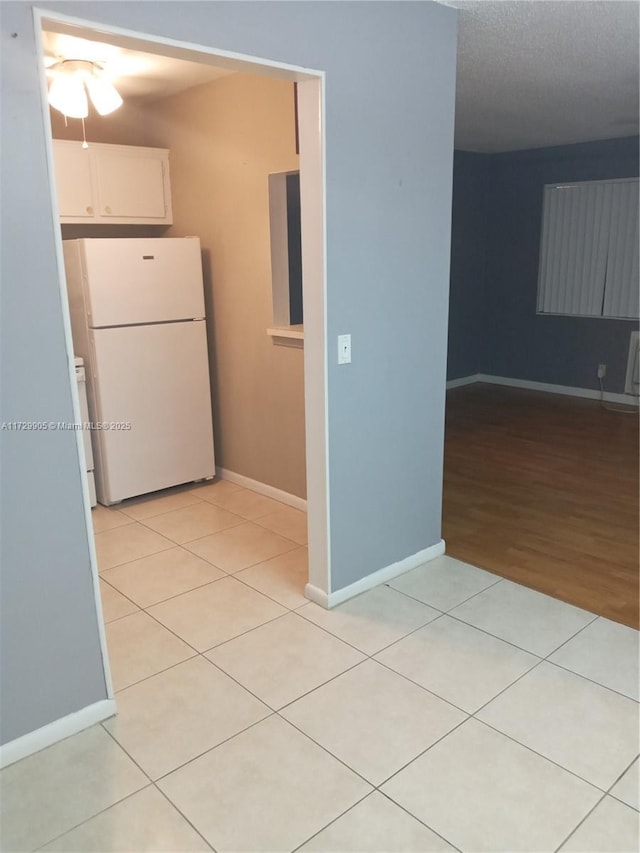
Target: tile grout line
{"points": [[573, 636], [212, 748], [307, 736], [196, 652], [206, 502], [259, 591], [225, 574], [131, 758], [540, 755], [242, 519], [543, 757], [170, 545], [387, 797], [415, 817], [508, 687], [289, 612], [422, 687], [547, 659], [150, 783], [331, 822], [459, 603], [540, 660], [242, 686], [472, 715], [210, 648], [162, 600], [318, 687], [203, 653], [510, 643], [170, 630], [328, 632], [498, 731], [121, 690], [294, 547], [248, 630], [91, 817], [419, 755], [451, 614], [590, 680], [239, 523], [625, 771], [328, 752], [184, 817], [304, 544], [164, 512], [622, 802], [579, 824]]}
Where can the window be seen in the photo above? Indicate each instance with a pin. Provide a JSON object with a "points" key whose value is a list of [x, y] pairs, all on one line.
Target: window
{"points": [[286, 257], [589, 249]]}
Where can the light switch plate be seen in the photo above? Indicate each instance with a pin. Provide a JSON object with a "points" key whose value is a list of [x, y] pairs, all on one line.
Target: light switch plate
{"points": [[344, 349]]}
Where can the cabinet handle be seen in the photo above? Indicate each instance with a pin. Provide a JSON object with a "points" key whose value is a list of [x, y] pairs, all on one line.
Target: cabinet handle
{"points": [[107, 209], [89, 209]]}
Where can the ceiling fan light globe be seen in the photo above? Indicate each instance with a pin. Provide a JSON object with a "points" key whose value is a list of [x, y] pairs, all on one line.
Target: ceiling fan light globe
{"points": [[104, 96], [67, 94]]}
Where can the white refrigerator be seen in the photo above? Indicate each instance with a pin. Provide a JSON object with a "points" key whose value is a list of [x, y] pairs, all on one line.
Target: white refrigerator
{"points": [[138, 321]]}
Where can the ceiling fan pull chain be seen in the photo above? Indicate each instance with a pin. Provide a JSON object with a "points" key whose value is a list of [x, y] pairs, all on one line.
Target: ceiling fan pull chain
{"points": [[85, 144]]}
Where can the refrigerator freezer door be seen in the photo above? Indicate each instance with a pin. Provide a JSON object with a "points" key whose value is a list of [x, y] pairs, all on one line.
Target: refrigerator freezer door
{"points": [[157, 379], [142, 280]]}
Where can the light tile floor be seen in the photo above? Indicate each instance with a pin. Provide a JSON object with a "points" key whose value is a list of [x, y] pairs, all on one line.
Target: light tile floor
{"points": [[448, 710]]}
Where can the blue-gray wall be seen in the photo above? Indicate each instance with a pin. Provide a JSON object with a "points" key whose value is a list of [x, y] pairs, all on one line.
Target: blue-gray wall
{"points": [[467, 296], [50, 661], [390, 89], [515, 341]]}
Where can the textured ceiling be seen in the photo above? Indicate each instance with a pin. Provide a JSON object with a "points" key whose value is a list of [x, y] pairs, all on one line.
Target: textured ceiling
{"points": [[536, 73]]}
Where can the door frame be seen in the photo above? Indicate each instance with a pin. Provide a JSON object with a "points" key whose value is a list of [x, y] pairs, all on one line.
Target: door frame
{"points": [[311, 112]]}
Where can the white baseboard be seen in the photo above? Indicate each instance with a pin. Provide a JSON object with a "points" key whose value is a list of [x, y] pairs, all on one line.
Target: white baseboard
{"points": [[313, 593], [262, 488], [60, 729], [464, 380], [529, 384], [567, 390]]}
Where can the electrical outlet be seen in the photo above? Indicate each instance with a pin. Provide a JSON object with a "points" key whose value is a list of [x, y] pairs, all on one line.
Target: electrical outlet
{"points": [[602, 371]]}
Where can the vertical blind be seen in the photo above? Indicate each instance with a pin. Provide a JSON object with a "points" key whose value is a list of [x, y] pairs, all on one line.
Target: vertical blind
{"points": [[589, 249]]}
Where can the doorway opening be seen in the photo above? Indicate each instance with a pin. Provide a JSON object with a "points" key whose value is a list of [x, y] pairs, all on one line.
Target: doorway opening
{"points": [[238, 519]]}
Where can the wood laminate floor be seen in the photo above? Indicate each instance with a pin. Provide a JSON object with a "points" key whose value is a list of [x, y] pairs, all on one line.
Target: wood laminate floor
{"points": [[543, 489]]}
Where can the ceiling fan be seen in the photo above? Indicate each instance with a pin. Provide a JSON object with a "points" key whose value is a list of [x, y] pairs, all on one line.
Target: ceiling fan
{"points": [[72, 80], [80, 72]]}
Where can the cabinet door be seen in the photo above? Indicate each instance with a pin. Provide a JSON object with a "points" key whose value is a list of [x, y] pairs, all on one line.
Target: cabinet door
{"points": [[73, 180], [130, 185]]}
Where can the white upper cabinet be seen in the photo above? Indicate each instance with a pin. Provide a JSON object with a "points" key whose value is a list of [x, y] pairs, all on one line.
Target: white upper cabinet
{"points": [[74, 182], [112, 184]]}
